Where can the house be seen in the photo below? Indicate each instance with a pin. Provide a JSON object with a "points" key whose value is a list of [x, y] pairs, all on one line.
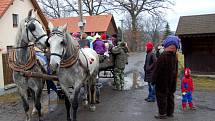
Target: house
{"points": [[11, 13], [197, 34], [97, 24]]}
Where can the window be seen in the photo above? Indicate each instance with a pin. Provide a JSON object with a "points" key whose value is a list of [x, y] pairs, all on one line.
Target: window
{"points": [[15, 20]]}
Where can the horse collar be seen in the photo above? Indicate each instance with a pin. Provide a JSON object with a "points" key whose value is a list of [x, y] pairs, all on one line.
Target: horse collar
{"points": [[17, 67]]}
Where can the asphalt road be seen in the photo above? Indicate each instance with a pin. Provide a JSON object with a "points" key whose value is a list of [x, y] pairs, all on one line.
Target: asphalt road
{"points": [[119, 105]]}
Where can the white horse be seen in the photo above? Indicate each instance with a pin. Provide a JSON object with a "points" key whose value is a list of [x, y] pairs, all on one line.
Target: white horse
{"points": [[75, 67], [23, 59]]}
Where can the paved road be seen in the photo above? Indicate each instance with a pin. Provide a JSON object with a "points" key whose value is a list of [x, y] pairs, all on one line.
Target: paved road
{"points": [[121, 105]]}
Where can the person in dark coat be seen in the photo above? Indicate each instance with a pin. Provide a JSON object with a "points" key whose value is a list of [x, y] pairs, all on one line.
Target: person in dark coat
{"points": [[148, 68], [165, 77]]}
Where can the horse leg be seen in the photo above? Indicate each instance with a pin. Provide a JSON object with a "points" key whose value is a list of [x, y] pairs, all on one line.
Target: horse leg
{"points": [[75, 105], [85, 94], [38, 104], [24, 98], [68, 106], [92, 93], [34, 111], [98, 91]]}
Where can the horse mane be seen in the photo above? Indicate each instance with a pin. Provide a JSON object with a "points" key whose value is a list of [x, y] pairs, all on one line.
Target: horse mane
{"points": [[19, 33], [74, 43]]}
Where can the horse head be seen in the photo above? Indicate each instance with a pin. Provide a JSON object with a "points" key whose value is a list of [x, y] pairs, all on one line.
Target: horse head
{"points": [[58, 43], [31, 30]]}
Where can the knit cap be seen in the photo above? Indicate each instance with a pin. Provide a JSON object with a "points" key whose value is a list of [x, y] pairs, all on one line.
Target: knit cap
{"points": [[171, 40], [149, 46]]}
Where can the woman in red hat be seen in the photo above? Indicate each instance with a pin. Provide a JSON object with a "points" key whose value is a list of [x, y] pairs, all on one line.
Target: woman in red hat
{"points": [[148, 68]]}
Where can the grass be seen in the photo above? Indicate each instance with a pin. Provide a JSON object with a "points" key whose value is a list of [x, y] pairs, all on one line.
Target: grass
{"points": [[200, 83], [204, 83], [9, 98]]}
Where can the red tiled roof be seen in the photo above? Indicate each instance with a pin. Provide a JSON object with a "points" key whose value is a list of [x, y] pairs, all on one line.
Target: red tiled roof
{"points": [[4, 5], [98, 23]]}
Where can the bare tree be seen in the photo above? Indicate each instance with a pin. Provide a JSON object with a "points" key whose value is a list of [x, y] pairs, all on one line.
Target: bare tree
{"points": [[136, 7], [64, 8], [96, 7], [55, 8], [153, 26]]}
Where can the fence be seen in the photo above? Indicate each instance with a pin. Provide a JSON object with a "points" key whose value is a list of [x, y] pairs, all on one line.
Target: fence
{"points": [[7, 72]]}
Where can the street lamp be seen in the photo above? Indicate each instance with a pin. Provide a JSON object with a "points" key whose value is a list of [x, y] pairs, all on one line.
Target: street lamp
{"points": [[82, 22]]}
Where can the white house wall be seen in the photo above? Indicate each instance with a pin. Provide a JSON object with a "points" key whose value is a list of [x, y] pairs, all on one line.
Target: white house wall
{"points": [[7, 31]]}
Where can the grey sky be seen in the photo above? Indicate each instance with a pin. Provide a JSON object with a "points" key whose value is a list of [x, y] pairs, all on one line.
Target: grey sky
{"points": [[189, 7], [182, 8]]}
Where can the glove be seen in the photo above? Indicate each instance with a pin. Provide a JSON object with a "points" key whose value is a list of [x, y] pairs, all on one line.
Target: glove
{"points": [[183, 93]]}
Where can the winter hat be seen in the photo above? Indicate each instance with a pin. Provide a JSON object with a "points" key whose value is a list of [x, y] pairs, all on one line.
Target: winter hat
{"points": [[104, 37], [97, 36], [114, 35], [89, 38], [149, 46], [171, 40], [76, 34]]}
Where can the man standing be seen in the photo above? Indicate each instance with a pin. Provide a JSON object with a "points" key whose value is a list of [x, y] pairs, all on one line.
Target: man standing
{"points": [[148, 68], [165, 77], [120, 61]]}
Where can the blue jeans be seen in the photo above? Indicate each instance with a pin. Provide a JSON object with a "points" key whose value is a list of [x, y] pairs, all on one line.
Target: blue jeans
{"points": [[151, 95]]}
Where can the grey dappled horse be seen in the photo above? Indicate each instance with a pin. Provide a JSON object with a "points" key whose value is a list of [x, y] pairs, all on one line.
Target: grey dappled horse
{"points": [[74, 68], [30, 30]]}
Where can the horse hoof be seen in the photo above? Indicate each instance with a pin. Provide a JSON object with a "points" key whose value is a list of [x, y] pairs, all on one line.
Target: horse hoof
{"points": [[34, 112], [28, 120], [69, 119], [98, 101], [85, 103], [92, 108]]}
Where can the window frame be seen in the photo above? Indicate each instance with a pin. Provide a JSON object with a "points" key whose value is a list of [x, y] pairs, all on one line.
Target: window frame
{"points": [[15, 18]]}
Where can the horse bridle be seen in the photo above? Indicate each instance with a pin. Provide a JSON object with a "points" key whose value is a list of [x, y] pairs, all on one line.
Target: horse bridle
{"points": [[31, 27], [55, 31]]}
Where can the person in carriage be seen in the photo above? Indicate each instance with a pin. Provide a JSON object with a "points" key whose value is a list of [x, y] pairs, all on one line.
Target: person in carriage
{"points": [[83, 42], [90, 39], [43, 58], [99, 45], [108, 44], [119, 64], [114, 39], [76, 36]]}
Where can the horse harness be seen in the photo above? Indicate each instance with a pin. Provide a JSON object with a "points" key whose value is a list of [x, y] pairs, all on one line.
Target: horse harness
{"points": [[73, 58], [29, 23], [24, 67]]}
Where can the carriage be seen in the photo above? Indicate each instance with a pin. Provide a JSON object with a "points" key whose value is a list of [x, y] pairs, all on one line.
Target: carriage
{"points": [[106, 66], [28, 73]]}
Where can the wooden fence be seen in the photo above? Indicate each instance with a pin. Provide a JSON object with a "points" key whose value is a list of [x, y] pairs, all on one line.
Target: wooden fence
{"points": [[7, 72]]}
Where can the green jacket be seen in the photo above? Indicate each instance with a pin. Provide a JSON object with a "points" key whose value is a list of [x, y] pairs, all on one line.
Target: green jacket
{"points": [[120, 57]]}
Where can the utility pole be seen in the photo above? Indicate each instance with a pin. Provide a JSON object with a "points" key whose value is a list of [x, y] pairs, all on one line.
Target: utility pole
{"points": [[122, 30], [81, 23]]}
